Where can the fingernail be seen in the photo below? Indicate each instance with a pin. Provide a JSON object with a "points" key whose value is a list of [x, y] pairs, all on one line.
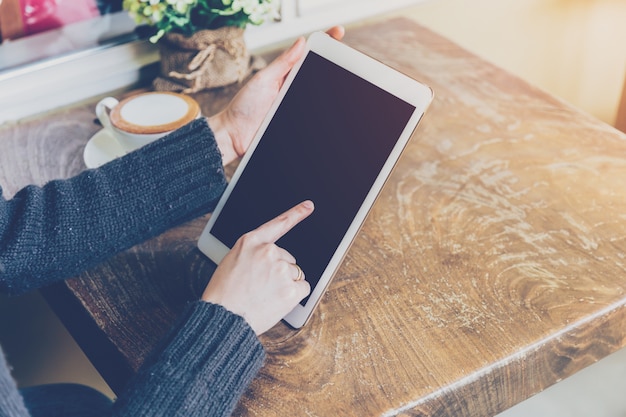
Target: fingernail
{"points": [[308, 204]]}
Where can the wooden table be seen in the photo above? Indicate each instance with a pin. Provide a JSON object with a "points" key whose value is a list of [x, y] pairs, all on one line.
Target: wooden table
{"points": [[492, 266]]}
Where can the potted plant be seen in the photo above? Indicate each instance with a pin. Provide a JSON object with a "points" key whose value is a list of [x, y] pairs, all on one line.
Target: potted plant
{"points": [[201, 41]]}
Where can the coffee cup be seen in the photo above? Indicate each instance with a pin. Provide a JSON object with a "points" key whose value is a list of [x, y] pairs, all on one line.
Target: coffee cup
{"points": [[144, 118]]}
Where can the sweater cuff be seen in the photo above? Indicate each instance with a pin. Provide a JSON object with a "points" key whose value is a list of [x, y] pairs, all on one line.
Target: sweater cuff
{"points": [[209, 360], [219, 341], [185, 169]]}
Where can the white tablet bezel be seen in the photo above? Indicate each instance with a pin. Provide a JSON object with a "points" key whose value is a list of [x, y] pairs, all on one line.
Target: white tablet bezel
{"points": [[397, 84]]}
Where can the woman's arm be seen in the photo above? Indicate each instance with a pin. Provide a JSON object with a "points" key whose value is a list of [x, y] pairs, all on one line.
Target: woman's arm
{"points": [[202, 368], [59, 230], [204, 365]]}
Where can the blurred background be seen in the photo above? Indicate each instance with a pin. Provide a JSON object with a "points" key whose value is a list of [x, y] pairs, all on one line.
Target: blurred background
{"points": [[573, 49]]}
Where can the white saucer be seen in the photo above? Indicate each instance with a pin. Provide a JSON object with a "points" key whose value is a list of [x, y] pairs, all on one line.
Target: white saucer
{"points": [[101, 148]]}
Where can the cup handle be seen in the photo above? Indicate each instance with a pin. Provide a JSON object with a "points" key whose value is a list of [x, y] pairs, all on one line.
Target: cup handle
{"points": [[102, 114]]}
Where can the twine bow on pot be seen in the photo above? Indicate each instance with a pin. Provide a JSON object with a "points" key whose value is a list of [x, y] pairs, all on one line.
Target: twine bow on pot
{"points": [[207, 59]]}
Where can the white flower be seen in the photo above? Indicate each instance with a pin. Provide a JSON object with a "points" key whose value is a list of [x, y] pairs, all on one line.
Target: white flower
{"points": [[256, 10], [168, 15], [181, 6]]}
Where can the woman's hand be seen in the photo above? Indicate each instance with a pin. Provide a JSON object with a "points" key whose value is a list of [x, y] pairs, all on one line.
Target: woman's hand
{"points": [[258, 280], [236, 125]]}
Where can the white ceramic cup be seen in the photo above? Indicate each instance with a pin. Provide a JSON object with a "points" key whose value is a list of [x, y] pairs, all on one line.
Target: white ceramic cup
{"points": [[144, 118]]}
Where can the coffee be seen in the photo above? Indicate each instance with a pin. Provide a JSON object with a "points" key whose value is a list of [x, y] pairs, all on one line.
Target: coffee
{"points": [[154, 113], [143, 118]]}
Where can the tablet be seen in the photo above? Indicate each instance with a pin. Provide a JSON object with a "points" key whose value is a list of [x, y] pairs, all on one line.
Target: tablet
{"points": [[333, 135]]}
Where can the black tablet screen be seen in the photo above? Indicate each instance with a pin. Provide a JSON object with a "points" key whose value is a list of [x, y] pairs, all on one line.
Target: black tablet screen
{"points": [[327, 142]]}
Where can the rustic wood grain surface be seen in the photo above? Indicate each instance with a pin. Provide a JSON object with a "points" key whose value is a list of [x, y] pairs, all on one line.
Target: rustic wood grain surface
{"points": [[492, 266]]}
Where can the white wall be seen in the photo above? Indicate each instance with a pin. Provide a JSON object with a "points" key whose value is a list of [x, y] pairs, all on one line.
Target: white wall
{"points": [[575, 49]]}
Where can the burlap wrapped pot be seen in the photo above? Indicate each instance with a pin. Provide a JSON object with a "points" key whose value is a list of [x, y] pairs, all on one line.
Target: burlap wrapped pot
{"points": [[207, 59]]}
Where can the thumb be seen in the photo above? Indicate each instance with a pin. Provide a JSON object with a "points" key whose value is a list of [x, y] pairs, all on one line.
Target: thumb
{"points": [[279, 68]]}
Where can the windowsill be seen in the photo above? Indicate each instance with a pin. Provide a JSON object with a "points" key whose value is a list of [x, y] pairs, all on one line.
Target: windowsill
{"points": [[76, 67]]}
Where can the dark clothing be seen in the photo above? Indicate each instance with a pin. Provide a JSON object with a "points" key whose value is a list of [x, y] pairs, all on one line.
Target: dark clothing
{"points": [[57, 231]]}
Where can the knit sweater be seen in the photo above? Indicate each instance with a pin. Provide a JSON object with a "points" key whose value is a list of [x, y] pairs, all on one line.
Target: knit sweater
{"points": [[57, 231]]}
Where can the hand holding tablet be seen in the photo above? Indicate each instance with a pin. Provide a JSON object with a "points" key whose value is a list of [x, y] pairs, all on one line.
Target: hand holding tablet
{"points": [[333, 135], [244, 113]]}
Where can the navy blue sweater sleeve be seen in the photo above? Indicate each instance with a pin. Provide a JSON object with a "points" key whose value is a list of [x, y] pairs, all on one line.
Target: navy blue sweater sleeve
{"points": [[67, 226], [59, 230], [206, 362]]}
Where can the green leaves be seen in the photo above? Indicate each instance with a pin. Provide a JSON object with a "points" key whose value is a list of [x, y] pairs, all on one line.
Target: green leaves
{"points": [[190, 16]]}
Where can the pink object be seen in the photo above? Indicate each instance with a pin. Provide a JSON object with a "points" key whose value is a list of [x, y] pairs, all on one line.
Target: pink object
{"points": [[42, 15]]}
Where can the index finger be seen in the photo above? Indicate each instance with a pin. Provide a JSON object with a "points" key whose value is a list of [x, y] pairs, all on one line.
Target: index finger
{"points": [[277, 227]]}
